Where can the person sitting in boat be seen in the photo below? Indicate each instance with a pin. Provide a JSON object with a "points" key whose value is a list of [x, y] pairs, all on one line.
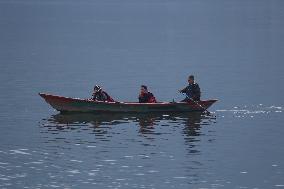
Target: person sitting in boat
{"points": [[100, 95], [192, 91], [146, 96]]}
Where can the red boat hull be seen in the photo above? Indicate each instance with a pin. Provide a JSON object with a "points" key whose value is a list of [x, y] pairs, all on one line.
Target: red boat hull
{"points": [[66, 104]]}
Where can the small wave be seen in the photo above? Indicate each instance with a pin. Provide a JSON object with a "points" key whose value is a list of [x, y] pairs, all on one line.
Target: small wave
{"points": [[109, 160], [120, 179], [153, 171], [91, 146], [20, 152], [179, 177], [249, 110], [34, 162], [276, 107], [4, 179], [74, 160], [92, 174], [74, 171], [129, 156], [139, 174]]}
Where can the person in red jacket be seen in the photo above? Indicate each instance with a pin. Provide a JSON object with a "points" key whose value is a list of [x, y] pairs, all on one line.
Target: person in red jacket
{"points": [[100, 95], [145, 96]]}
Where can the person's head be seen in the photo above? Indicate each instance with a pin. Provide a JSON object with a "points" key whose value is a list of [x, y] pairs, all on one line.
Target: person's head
{"points": [[144, 89], [191, 79], [97, 88]]}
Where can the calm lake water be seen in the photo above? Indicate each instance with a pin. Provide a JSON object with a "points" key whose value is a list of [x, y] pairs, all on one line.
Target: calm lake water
{"points": [[64, 47]]}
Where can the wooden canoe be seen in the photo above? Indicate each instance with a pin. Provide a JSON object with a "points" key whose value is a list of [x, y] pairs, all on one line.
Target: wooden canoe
{"points": [[67, 104]]}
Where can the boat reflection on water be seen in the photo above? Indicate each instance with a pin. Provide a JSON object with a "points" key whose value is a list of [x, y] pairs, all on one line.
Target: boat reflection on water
{"points": [[132, 144], [147, 122], [118, 130]]}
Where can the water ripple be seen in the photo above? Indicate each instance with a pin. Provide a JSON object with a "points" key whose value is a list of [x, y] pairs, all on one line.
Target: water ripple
{"points": [[251, 111], [86, 150]]}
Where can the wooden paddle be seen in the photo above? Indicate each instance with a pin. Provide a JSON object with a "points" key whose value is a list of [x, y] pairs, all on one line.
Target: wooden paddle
{"points": [[204, 109]]}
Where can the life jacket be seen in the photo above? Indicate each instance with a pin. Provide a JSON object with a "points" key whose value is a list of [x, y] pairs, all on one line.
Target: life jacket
{"points": [[152, 99], [147, 98]]}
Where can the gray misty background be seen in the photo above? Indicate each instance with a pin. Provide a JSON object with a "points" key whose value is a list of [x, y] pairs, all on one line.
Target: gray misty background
{"points": [[233, 47]]}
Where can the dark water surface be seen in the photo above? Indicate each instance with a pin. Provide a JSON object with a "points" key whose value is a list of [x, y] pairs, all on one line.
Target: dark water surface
{"points": [[234, 48]]}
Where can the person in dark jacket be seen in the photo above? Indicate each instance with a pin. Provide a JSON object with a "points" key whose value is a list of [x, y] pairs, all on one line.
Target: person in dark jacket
{"points": [[192, 91], [145, 96], [100, 95]]}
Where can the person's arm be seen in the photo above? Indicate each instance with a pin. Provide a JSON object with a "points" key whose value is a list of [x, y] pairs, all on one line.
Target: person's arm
{"points": [[152, 98], [104, 96], [183, 90]]}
